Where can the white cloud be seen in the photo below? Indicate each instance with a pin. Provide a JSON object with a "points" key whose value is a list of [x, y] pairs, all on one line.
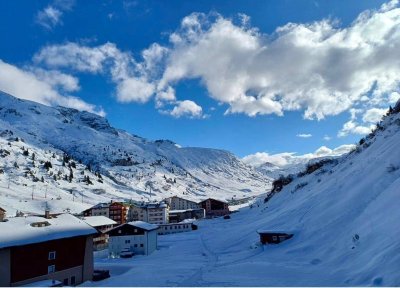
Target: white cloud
{"points": [[57, 79], [352, 127], [79, 57], [43, 87], [304, 135], [187, 108], [318, 68], [51, 15], [374, 115], [131, 82], [394, 97], [134, 90], [327, 138], [283, 159]]}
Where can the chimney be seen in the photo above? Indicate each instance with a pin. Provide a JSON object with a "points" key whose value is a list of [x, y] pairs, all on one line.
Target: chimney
{"points": [[47, 214]]}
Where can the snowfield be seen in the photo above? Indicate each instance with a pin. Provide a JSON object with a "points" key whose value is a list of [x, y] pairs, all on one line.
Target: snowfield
{"points": [[131, 167], [345, 218]]}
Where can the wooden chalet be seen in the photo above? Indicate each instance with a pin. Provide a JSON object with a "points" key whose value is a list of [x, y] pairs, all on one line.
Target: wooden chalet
{"points": [[214, 208], [102, 224], [35, 249]]}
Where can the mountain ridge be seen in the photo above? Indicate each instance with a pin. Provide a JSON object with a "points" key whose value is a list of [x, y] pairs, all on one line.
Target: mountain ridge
{"points": [[129, 162]]}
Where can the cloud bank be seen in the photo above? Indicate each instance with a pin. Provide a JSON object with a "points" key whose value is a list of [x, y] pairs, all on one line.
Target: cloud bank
{"points": [[318, 68], [287, 158]]}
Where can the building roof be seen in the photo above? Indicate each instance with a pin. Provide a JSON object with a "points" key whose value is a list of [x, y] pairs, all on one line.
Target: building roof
{"points": [[179, 211], [97, 221], [2, 209], [143, 225], [100, 205], [223, 201], [272, 231], [188, 200], [19, 231], [151, 205], [43, 283]]}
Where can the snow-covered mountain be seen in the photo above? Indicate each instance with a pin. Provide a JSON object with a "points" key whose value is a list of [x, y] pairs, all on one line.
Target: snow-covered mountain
{"points": [[344, 216], [130, 166]]}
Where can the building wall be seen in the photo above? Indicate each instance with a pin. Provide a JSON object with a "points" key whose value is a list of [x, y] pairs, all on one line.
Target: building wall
{"points": [[149, 214], [157, 215], [174, 228], [151, 241], [117, 212], [88, 260], [29, 263], [5, 272], [59, 275], [215, 208], [2, 215], [117, 244], [177, 203], [104, 211]]}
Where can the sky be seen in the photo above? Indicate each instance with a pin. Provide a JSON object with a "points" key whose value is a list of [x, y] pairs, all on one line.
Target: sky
{"points": [[256, 78]]}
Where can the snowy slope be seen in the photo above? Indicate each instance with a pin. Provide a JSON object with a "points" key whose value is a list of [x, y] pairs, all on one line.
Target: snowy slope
{"points": [[344, 216], [131, 166]]}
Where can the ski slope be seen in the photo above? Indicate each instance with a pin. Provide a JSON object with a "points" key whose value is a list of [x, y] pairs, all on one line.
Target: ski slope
{"points": [[345, 219]]}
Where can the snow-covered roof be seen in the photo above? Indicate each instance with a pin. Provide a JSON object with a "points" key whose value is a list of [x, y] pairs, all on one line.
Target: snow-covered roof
{"points": [[180, 211], [100, 206], [19, 231], [43, 283], [263, 231], [96, 221], [1, 209], [219, 200], [189, 221], [143, 225]]}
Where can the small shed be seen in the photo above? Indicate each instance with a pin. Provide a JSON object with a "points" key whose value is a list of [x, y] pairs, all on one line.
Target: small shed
{"points": [[2, 214], [274, 237]]}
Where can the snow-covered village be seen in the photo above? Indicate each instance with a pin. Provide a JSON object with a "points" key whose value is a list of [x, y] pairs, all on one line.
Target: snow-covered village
{"points": [[201, 143]]}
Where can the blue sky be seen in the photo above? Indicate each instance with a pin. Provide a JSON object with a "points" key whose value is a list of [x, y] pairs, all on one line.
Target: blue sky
{"points": [[221, 74]]}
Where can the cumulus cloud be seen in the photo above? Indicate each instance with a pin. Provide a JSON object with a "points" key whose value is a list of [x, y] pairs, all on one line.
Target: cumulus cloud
{"points": [[319, 68], [287, 158], [304, 135], [352, 127], [51, 15], [374, 115], [316, 67], [43, 87], [186, 108]]}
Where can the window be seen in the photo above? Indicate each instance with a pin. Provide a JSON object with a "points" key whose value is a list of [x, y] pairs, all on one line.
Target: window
{"points": [[135, 245], [65, 282], [73, 280], [141, 245], [51, 269], [127, 241], [52, 255]]}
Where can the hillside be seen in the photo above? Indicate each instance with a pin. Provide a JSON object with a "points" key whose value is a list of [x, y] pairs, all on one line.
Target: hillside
{"points": [[344, 216], [131, 167]]}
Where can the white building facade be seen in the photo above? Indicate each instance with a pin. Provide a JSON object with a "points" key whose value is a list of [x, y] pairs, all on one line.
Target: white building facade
{"points": [[154, 213], [138, 237], [177, 203]]}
